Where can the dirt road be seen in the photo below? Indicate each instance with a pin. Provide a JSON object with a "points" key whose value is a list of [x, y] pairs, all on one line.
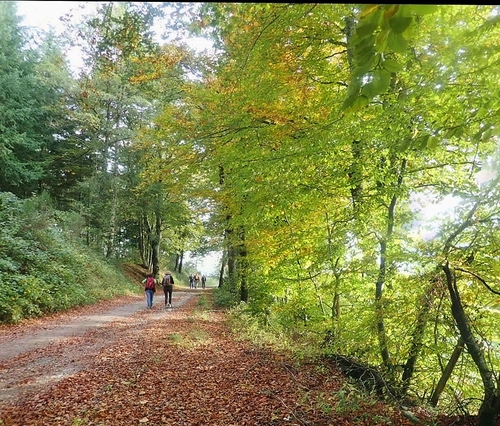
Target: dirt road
{"points": [[120, 364], [43, 352]]}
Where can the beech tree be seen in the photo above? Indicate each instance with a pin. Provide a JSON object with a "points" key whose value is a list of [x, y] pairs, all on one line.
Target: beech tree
{"points": [[315, 140], [116, 107], [328, 124]]}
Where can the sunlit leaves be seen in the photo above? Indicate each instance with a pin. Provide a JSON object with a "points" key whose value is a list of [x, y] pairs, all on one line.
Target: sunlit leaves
{"points": [[379, 33], [391, 65], [378, 82]]}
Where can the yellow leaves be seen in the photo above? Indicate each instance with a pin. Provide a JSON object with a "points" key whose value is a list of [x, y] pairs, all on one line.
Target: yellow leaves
{"points": [[390, 11], [368, 10], [153, 68]]}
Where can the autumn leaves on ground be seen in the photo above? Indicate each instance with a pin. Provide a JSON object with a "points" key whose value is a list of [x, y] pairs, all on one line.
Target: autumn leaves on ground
{"points": [[185, 367]]}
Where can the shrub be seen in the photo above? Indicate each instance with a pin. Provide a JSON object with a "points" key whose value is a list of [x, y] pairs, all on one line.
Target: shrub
{"points": [[43, 269]]}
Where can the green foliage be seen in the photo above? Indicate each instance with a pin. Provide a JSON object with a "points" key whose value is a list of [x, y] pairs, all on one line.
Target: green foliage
{"points": [[33, 87], [225, 297], [203, 302], [175, 338], [43, 268], [320, 213], [319, 210], [379, 43], [250, 327]]}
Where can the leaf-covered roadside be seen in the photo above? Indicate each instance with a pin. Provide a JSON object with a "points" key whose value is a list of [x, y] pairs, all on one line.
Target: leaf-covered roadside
{"points": [[187, 368]]}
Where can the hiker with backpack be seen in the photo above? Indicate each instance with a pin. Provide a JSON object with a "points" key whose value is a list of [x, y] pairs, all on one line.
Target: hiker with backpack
{"points": [[150, 288], [196, 280], [168, 287]]}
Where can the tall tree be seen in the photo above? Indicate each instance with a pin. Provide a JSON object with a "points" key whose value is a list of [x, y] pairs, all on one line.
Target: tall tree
{"points": [[306, 126], [30, 99], [117, 107]]}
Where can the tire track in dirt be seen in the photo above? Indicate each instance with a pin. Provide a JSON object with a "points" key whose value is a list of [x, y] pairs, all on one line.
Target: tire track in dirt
{"points": [[33, 361]]}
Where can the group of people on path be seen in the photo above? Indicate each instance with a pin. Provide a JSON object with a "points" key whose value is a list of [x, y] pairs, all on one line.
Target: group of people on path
{"points": [[150, 283], [194, 280], [167, 282]]}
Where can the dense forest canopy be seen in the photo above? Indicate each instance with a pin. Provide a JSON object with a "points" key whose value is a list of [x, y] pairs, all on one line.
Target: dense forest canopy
{"points": [[342, 157]]}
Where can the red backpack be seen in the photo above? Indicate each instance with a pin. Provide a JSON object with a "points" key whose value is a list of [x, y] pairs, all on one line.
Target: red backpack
{"points": [[150, 283]]}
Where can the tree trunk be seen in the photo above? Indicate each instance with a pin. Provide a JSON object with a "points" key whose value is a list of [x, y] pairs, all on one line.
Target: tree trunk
{"points": [[455, 356], [243, 269], [355, 175], [181, 262], [335, 308], [230, 248], [155, 246], [354, 171], [426, 303], [221, 270], [231, 266], [379, 285], [141, 242], [379, 307], [179, 259], [146, 236], [489, 406]]}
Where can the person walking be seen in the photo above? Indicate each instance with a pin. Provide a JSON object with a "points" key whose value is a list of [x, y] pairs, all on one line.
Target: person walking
{"points": [[191, 281], [150, 289], [203, 281], [196, 280], [168, 287]]}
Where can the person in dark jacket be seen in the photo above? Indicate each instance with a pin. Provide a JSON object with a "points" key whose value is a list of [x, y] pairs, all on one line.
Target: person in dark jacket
{"points": [[168, 287], [197, 279], [191, 281]]}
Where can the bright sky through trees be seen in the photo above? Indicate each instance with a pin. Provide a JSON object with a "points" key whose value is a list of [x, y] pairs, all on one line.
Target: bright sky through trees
{"points": [[46, 15]]}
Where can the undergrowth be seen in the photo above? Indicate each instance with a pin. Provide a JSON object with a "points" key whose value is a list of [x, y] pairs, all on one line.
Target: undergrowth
{"points": [[44, 268]]}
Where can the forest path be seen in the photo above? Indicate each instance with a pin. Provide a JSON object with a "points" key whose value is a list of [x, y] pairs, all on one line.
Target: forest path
{"points": [[43, 351], [120, 364]]}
